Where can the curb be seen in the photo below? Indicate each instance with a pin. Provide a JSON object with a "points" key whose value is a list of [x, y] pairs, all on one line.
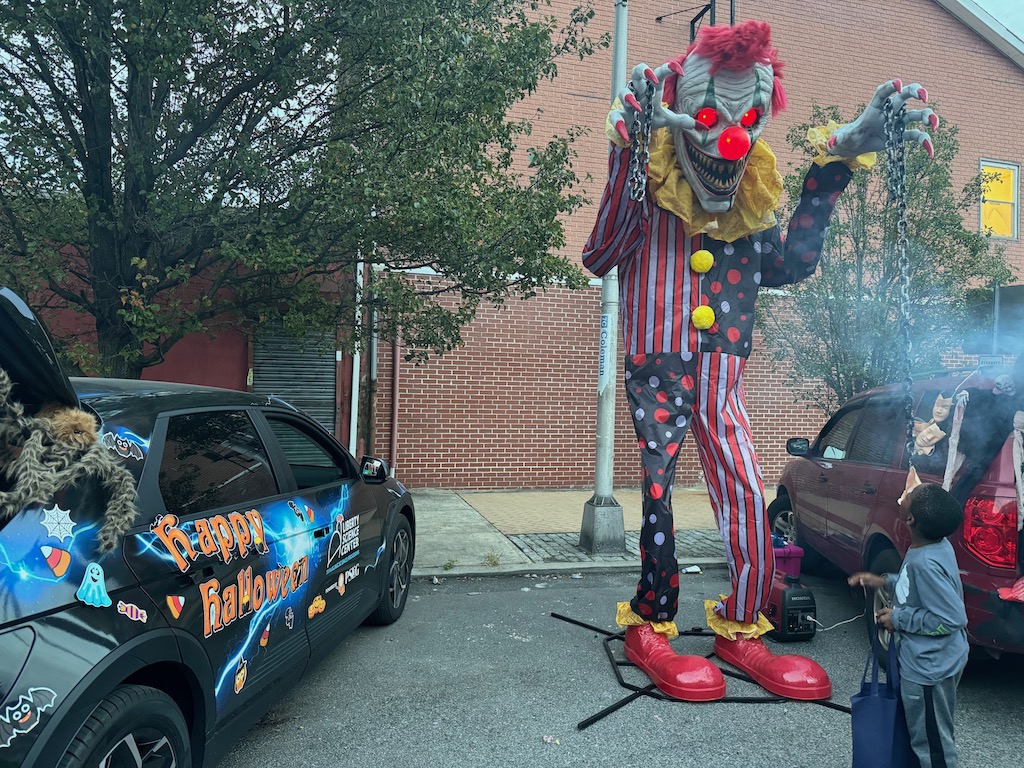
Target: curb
{"points": [[521, 569]]}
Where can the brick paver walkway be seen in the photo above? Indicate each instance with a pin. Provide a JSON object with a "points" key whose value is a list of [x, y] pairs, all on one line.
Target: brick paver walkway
{"points": [[545, 525], [563, 547]]}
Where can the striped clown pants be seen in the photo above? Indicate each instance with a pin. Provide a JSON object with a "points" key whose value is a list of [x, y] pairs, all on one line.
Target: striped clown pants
{"points": [[669, 394]]}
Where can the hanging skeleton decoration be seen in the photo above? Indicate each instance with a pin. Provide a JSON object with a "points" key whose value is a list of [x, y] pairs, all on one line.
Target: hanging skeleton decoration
{"points": [[692, 249]]}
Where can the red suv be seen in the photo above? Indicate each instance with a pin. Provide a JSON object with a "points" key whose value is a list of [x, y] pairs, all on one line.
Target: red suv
{"points": [[837, 499]]}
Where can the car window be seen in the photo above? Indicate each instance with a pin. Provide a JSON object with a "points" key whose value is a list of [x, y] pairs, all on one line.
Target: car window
{"points": [[881, 431], [213, 459], [313, 461], [835, 437]]}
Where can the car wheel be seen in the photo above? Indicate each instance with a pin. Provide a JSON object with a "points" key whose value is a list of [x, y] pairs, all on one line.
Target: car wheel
{"points": [[886, 561], [782, 520], [133, 727], [398, 574]]}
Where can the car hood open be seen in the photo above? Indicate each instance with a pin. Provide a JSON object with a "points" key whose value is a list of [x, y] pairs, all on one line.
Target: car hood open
{"points": [[27, 354]]}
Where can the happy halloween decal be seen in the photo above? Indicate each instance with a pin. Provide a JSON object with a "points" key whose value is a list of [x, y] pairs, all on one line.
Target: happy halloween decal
{"points": [[229, 537]]}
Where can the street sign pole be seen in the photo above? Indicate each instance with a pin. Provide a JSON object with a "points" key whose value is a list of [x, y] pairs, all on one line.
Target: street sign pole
{"points": [[603, 529]]}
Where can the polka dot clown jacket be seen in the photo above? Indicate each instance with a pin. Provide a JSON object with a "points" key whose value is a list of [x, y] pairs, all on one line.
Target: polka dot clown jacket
{"points": [[671, 302]]}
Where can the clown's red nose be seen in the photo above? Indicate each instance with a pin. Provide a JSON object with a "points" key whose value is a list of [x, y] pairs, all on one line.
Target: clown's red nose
{"points": [[734, 143]]}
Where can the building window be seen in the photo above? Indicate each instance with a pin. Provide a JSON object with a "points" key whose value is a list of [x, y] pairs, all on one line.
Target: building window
{"points": [[999, 200]]}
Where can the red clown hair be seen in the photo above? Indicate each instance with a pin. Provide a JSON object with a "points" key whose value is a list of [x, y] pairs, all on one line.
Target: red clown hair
{"points": [[735, 48]]}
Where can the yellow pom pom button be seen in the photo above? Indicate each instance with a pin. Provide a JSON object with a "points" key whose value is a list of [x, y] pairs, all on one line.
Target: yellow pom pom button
{"points": [[702, 318], [701, 261]]}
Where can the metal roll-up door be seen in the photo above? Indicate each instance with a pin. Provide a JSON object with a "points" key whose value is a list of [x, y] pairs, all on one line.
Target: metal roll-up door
{"points": [[301, 371]]}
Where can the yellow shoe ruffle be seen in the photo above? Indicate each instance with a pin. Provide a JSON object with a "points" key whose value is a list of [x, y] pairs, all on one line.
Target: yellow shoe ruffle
{"points": [[818, 139], [625, 616], [731, 630]]}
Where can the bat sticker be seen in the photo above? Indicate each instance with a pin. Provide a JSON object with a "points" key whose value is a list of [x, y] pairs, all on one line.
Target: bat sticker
{"points": [[23, 715], [123, 447]]}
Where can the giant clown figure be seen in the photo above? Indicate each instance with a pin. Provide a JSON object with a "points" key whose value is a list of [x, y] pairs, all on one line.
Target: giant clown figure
{"points": [[692, 255]]}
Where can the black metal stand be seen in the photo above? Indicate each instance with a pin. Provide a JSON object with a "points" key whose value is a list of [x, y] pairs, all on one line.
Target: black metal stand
{"points": [[650, 689]]}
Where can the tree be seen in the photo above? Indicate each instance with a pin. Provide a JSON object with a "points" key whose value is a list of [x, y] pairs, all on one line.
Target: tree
{"points": [[168, 166], [838, 331]]}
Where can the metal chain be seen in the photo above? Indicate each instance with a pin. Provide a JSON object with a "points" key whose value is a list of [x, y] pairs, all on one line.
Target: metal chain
{"points": [[640, 147], [895, 150]]}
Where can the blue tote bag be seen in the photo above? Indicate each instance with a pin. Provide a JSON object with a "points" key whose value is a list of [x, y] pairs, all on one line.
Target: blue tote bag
{"points": [[880, 735]]}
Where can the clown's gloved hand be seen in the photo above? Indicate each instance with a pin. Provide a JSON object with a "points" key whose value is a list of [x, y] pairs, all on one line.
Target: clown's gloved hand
{"points": [[634, 99], [867, 132]]}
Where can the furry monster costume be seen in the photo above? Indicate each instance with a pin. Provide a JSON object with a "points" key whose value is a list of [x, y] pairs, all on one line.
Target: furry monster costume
{"points": [[692, 254], [44, 454]]}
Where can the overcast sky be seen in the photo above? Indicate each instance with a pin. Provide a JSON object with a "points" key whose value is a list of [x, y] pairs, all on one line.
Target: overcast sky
{"points": [[1008, 12]]}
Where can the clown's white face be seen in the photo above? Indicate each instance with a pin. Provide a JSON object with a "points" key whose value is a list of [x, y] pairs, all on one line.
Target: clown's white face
{"points": [[734, 106]]}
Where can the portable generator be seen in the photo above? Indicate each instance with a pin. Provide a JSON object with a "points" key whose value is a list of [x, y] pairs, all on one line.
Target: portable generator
{"points": [[790, 609]]}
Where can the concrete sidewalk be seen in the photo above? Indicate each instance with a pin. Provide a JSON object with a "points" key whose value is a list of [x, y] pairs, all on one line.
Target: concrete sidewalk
{"points": [[474, 533]]}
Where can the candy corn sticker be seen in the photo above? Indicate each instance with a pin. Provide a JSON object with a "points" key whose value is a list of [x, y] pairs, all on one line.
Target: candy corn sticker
{"points": [[175, 603], [58, 559]]}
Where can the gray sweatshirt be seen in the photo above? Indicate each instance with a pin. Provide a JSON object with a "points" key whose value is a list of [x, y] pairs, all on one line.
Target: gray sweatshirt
{"points": [[928, 612]]}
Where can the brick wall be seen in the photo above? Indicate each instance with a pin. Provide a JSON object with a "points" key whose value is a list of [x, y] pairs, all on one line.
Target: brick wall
{"points": [[516, 406]]}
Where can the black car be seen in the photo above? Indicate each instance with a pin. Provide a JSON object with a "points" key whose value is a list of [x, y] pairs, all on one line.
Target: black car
{"points": [[259, 543]]}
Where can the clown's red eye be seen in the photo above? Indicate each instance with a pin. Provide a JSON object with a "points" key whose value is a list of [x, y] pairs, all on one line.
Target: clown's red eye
{"points": [[707, 117], [750, 117]]}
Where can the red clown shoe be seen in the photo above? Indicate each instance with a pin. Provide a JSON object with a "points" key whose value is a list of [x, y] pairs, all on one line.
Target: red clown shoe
{"points": [[794, 677], [690, 678]]}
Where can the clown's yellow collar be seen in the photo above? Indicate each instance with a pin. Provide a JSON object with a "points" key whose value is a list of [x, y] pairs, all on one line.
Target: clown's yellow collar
{"points": [[756, 199]]}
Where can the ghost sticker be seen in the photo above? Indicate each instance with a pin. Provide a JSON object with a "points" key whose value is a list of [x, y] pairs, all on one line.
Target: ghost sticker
{"points": [[93, 590], [23, 715], [289, 618]]}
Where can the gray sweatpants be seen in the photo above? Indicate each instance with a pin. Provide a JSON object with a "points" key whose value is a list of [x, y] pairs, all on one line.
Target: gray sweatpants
{"points": [[929, 710]]}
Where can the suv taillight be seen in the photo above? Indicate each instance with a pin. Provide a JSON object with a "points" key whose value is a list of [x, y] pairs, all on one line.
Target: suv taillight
{"points": [[990, 531]]}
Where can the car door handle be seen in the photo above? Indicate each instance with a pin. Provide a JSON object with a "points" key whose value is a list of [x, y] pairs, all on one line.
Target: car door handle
{"points": [[822, 478], [201, 574], [319, 533], [868, 488]]}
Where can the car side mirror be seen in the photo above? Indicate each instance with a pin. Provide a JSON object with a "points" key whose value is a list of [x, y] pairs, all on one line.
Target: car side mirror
{"points": [[373, 470], [798, 446]]}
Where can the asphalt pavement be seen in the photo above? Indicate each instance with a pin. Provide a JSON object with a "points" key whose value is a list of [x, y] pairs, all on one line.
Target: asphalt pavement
{"points": [[478, 672], [481, 671]]}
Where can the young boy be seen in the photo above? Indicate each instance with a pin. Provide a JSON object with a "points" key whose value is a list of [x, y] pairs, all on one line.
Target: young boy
{"points": [[929, 619]]}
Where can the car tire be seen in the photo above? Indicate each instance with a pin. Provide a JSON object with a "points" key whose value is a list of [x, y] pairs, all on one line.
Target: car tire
{"points": [[397, 574], [782, 520], [886, 561], [134, 725]]}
